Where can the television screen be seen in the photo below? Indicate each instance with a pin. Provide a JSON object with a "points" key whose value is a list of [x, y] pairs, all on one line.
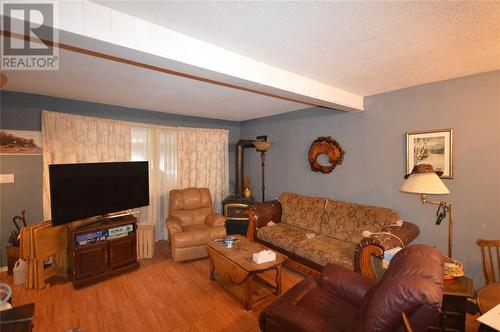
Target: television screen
{"points": [[79, 191]]}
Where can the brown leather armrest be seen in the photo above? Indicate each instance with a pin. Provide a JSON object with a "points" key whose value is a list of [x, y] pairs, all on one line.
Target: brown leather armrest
{"points": [[262, 213], [376, 244], [174, 224], [215, 220], [345, 283], [285, 315]]}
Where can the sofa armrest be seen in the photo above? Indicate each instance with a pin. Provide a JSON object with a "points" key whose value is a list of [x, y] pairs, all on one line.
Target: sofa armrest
{"points": [[215, 220], [285, 315], [262, 213], [174, 224], [374, 245], [345, 283]]}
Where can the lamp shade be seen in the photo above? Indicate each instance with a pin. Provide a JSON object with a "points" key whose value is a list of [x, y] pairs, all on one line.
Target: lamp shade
{"points": [[424, 183], [262, 146]]}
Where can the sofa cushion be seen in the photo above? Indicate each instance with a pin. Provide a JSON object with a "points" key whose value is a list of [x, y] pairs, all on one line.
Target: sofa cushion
{"points": [[339, 312], [302, 211], [197, 235], [192, 217], [347, 221], [191, 236], [282, 235], [324, 250]]}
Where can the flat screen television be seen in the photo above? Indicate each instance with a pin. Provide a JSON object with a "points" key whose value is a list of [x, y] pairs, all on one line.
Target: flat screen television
{"points": [[80, 191]]}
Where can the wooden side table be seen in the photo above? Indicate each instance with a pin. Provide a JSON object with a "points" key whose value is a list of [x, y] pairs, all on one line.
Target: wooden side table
{"points": [[453, 313]]}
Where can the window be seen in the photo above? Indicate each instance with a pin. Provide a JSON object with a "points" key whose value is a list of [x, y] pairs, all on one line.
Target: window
{"points": [[159, 147]]}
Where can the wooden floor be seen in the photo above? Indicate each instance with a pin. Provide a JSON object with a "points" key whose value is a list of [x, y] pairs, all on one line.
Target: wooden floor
{"points": [[160, 296]]}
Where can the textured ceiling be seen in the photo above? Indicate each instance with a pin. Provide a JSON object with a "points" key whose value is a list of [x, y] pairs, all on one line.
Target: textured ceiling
{"points": [[362, 47], [87, 78]]}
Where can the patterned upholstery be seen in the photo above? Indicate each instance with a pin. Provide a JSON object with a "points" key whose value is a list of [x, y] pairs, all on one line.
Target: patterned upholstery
{"points": [[338, 226], [347, 221], [324, 250], [302, 211], [282, 235]]}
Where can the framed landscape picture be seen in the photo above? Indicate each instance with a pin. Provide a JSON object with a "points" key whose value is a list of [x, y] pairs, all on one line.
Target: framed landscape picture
{"points": [[20, 142], [434, 147]]}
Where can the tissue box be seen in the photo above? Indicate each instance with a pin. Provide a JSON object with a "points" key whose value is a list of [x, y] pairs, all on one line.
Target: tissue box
{"points": [[388, 254], [264, 256]]}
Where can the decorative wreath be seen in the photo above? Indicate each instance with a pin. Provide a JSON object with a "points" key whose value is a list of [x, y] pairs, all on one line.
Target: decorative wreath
{"points": [[329, 147]]}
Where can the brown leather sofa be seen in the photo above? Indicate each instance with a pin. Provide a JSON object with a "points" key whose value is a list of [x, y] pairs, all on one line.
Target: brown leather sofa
{"points": [[343, 300], [192, 223], [338, 228]]}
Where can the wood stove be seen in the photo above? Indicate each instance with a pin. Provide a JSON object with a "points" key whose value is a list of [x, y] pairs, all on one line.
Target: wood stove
{"points": [[235, 213], [234, 206]]}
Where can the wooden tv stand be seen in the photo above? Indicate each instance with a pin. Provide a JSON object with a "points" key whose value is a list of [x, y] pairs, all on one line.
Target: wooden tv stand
{"points": [[102, 259]]}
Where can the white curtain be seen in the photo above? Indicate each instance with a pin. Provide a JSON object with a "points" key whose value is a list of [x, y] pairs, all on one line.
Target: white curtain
{"points": [[178, 157], [71, 138], [159, 147], [203, 161]]}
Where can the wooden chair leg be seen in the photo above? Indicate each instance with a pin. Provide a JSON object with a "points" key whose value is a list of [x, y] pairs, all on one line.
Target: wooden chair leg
{"points": [[407, 324]]}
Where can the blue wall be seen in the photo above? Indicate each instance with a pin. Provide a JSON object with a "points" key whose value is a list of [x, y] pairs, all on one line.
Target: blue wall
{"points": [[373, 166], [375, 159], [22, 111]]}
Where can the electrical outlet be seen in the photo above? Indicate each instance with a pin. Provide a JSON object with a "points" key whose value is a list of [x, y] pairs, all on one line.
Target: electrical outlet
{"points": [[6, 178]]}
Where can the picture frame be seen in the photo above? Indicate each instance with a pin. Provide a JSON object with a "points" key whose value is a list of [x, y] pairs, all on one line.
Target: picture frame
{"points": [[20, 142], [434, 147]]}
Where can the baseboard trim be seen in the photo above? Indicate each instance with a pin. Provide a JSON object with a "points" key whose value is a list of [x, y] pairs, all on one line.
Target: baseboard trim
{"points": [[3, 268]]}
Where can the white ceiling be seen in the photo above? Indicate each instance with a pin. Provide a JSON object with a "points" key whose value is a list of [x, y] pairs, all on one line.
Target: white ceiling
{"points": [[87, 78], [362, 47]]}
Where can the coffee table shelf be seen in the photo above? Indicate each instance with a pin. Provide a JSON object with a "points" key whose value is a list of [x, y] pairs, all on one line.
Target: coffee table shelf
{"points": [[235, 270]]}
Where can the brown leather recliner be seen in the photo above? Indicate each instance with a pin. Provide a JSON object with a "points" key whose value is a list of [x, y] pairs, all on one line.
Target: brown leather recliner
{"points": [[342, 300], [191, 223]]}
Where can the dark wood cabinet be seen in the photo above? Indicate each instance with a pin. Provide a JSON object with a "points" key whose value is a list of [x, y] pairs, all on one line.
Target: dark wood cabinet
{"points": [[105, 257], [91, 260], [122, 251]]}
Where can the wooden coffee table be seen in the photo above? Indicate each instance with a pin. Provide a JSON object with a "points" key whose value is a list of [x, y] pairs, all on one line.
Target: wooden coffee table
{"points": [[236, 271]]}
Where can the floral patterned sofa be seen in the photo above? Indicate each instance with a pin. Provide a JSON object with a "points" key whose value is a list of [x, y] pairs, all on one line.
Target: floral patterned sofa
{"points": [[338, 232]]}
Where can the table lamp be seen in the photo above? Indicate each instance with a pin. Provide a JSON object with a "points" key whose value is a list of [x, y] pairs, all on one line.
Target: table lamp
{"points": [[425, 181]]}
